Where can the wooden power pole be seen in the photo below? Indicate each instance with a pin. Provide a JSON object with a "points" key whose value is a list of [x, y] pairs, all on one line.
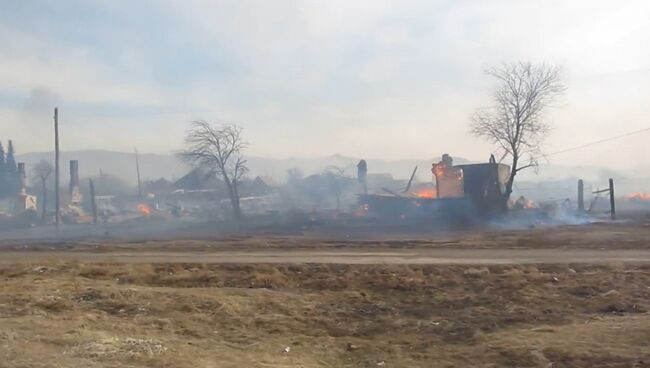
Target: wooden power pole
{"points": [[93, 200], [137, 168], [612, 199], [57, 173]]}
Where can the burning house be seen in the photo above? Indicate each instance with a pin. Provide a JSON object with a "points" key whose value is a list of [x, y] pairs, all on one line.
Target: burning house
{"points": [[461, 193], [23, 201]]}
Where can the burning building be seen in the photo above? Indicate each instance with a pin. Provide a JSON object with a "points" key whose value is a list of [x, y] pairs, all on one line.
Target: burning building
{"points": [[23, 201], [461, 192]]}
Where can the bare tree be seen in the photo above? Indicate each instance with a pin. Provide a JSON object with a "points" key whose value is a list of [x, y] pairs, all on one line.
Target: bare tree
{"points": [[218, 148], [294, 176], [515, 122], [41, 172], [336, 182]]}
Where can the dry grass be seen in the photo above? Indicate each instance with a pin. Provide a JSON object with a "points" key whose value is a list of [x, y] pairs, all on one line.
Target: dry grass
{"points": [[178, 315]]}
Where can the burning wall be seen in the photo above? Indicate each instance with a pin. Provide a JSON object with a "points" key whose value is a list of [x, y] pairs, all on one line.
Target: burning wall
{"points": [[449, 180]]}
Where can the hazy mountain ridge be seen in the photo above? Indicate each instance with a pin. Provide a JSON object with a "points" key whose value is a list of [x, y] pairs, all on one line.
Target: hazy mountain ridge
{"points": [[120, 164], [154, 166]]}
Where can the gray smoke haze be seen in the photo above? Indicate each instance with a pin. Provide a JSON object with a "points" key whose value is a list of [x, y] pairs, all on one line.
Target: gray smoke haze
{"points": [[382, 79]]}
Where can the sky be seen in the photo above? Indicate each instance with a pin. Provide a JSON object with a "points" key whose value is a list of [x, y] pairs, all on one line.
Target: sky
{"points": [[364, 78]]}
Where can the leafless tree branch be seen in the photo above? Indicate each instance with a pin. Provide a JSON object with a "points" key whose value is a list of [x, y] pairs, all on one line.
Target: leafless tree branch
{"points": [[515, 121], [218, 149], [41, 172]]}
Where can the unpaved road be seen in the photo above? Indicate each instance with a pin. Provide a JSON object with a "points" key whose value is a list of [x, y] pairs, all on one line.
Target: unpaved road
{"points": [[596, 243], [338, 256]]}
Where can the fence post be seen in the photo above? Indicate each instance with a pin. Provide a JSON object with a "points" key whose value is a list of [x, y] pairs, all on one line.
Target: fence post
{"points": [[581, 195], [612, 201]]}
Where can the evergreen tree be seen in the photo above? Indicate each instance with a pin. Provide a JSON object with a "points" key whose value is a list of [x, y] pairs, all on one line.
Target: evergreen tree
{"points": [[10, 161], [3, 172], [2, 156], [12, 177]]}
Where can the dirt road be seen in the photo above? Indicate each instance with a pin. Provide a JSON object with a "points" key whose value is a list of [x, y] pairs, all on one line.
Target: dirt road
{"points": [[339, 256], [594, 243]]}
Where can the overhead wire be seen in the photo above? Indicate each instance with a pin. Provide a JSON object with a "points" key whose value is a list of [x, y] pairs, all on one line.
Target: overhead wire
{"points": [[597, 142]]}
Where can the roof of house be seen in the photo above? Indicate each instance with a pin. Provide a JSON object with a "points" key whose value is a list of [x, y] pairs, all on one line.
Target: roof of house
{"points": [[198, 179]]}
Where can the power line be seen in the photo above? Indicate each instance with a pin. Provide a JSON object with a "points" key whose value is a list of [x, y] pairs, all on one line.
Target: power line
{"points": [[598, 142]]}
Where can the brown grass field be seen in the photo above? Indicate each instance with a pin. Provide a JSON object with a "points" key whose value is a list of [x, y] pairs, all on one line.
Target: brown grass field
{"points": [[57, 312]]}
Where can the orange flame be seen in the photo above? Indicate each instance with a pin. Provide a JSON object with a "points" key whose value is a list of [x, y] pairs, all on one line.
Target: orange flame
{"points": [[441, 170], [426, 193], [523, 203], [144, 209], [638, 196]]}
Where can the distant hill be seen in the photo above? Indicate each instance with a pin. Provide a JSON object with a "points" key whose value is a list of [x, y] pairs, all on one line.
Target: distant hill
{"points": [[120, 164], [154, 166]]}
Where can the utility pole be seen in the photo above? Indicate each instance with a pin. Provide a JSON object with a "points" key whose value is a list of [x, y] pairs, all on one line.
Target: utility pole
{"points": [[57, 173], [137, 168], [93, 200], [612, 199]]}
